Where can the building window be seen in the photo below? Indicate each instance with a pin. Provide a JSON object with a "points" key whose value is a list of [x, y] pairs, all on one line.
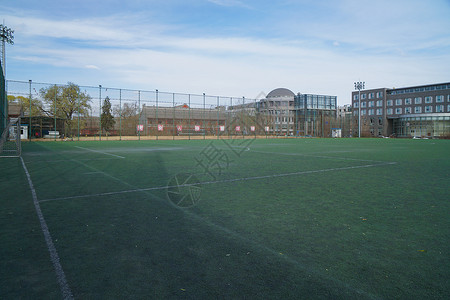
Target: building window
{"points": [[407, 110], [408, 101], [363, 112], [417, 109], [379, 102], [380, 121], [448, 108], [355, 112], [379, 112], [355, 97], [439, 108], [371, 112], [398, 111], [398, 102], [428, 99], [428, 108], [363, 104], [371, 103], [355, 105], [363, 96], [389, 111], [371, 95], [379, 94], [390, 102], [439, 99], [418, 100]]}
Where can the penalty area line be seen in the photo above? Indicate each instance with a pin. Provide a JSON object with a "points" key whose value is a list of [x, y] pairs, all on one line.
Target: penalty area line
{"points": [[217, 181], [99, 152], [65, 289]]}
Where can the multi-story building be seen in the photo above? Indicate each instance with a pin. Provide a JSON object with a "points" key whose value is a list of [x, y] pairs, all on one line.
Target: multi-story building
{"points": [[301, 114], [418, 111], [344, 120]]}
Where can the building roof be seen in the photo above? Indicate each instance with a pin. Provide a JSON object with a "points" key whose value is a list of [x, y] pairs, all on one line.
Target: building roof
{"points": [[280, 92], [14, 109]]}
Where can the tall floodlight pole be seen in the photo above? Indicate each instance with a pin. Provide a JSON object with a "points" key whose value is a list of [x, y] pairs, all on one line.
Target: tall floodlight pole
{"points": [[7, 36], [359, 86]]}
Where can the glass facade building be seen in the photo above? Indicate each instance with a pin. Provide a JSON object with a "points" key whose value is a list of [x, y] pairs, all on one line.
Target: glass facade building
{"points": [[315, 114], [308, 101], [425, 125]]}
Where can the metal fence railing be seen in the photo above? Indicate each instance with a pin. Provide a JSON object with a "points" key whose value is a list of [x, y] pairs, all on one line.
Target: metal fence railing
{"points": [[79, 112], [95, 112]]}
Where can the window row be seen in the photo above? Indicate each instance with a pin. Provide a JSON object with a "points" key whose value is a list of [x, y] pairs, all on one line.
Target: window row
{"points": [[399, 102], [399, 110], [407, 101], [370, 112], [368, 95]]}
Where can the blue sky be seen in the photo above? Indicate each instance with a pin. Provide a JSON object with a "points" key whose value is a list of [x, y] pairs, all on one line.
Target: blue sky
{"points": [[230, 47]]}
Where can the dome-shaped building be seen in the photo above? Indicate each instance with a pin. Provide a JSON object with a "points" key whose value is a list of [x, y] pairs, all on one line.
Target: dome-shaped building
{"points": [[281, 92], [288, 113], [279, 107]]}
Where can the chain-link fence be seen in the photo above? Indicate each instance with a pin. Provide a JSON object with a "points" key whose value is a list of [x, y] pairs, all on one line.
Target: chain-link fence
{"points": [[98, 113], [87, 112]]}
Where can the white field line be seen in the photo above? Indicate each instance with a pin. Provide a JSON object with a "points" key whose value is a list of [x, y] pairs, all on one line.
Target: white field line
{"points": [[320, 156], [65, 160], [232, 233], [65, 289], [99, 152], [216, 181]]}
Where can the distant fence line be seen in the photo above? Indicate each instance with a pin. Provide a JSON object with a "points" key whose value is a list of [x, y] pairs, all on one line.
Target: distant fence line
{"points": [[152, 114]]}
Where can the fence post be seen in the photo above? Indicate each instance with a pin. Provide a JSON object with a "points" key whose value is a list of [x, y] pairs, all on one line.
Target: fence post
{"points": [[78, 117], [140, 115], [189, 131], [157, 120], [31, 132], [120, 114], [54, 117], [204, 110], [100, 113], [217, 127], [173, 121]]}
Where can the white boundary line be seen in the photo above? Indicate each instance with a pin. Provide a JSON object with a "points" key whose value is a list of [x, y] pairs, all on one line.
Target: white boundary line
{"points": [[65, 289], [99, 152], [65, 160], [319, 156], [218, 181], [237, 235]]}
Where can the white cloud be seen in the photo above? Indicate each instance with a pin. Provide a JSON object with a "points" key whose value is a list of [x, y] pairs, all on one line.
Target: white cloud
{"points": [[229, 3], [131, 53], [94, 67]]}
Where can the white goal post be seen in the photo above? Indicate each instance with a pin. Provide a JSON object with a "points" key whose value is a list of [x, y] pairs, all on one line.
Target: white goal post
{"points": [[10, 144]]}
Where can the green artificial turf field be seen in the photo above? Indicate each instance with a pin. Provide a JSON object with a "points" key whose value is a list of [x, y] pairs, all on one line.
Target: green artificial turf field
{"points": [[226, 219]]}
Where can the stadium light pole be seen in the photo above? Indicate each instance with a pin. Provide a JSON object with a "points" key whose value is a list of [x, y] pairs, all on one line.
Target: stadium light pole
{"points": [[359, 86], [7, 36]]}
